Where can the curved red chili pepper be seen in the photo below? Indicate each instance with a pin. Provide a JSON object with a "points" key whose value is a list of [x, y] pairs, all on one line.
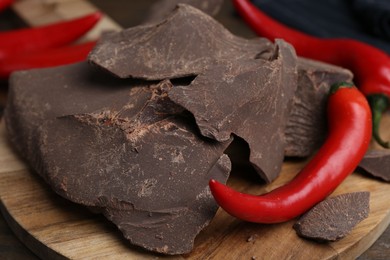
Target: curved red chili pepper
{"points": [[47, 58], [348, 140], [45, 37], [5, 3], [371, 66]]}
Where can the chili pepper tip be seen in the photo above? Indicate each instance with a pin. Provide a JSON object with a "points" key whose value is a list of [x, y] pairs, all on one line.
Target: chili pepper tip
{"points": [[212, 182]]}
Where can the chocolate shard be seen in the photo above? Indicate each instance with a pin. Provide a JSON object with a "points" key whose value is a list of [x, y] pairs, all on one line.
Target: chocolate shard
{"points": [[120, 147], [184, 44], [161, 9], [250, 99], [307, 124], [333, 218], [376, 163]]}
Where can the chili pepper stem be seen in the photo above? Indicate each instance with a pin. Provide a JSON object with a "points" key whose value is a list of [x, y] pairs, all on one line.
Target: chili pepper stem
{"points": [[379, 104], [337, 86]]}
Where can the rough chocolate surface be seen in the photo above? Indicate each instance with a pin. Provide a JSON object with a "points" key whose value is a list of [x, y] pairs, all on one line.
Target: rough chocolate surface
{"points": [[307, 124], [333, 218], [376, 163], [161, 9], [184, 44], [249, 99], [120, 147], [142, 151]]}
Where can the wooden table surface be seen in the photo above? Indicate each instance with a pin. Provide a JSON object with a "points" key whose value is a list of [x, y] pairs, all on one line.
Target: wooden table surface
{"points": [[127, 14]]}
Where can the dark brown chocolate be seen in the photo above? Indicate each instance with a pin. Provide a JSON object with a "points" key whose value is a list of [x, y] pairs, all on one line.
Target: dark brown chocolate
{"points": [[376, 163], [333, 218], [120, 147], [161, 9], [142, 152], [185, 44], [249, 99], [307, 123]]}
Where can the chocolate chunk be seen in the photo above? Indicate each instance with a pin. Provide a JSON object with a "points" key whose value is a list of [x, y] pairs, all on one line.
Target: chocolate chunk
{"points": [[184, 44], [161, 9], [376, 163], [333, 218], [120, 147], [250, 99], [307, 124], [142, 152]]}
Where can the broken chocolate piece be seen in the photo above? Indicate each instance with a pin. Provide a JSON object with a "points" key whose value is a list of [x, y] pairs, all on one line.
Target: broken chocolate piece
{"points": [[184, 44], [376, 163], [333, 218], [129, 149], [307, 124], [163, 8], [120, 147], [250, 99]]}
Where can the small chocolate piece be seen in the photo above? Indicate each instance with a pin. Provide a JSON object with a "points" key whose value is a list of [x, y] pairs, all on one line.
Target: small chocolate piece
{"points": [[333, 218], [184, 44], [307, 123], [163, 8], [250, 99], [120, 147], [376, 163]]}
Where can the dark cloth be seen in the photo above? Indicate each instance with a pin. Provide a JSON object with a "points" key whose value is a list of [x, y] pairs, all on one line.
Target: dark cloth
{"points": [[375, 14], [364, 20]]}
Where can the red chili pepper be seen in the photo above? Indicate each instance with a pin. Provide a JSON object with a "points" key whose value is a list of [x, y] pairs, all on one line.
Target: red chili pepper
{"points": [[349, 136], [371, 66], [48, 58], [45, 37], [5, 3]]}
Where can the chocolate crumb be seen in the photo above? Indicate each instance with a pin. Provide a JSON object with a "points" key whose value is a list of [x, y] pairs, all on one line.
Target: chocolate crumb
{"points": [[252, 238], [333, 218]]}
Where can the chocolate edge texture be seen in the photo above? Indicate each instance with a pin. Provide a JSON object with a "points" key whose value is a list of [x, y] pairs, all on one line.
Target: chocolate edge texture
{"points": [[376, 163], [307, 124], [161, 9], [184, 44]]}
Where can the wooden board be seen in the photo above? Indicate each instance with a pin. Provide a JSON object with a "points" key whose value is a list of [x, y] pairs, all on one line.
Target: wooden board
{"points": [[53, 227]]}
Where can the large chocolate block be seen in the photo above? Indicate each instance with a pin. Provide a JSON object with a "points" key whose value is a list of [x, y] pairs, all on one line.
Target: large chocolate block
{"points": [[249, 99], [120, 147]]}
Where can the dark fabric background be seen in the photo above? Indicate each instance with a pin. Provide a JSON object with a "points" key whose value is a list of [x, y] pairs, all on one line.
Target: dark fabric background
{"points": [[364, 20]]}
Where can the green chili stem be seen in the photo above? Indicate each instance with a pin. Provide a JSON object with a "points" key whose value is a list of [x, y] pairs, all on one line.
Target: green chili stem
{"points": [[379, 104]]}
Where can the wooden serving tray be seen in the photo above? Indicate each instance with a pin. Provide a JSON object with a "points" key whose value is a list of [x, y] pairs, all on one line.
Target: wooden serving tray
{"points": [[55, 228]]}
